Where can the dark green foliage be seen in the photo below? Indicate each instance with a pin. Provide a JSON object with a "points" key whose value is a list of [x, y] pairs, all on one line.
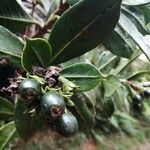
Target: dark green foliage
{"points": [[13, 16], [36, 52], [25, 123], [10, 47], [78, 31], [85, 76]]}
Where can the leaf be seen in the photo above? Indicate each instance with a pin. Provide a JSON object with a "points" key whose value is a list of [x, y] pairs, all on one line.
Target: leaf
{"points": [[72, 2], [13, 16], [110, 85], [84, 26], [25, 124], [138, 38], [136, 2], [125, 63], [139, 75], [6, 109], [6, 132], [10, 47], [36, 52], [107, 108], [146, 12], [84, 116], [124, 47], [86, 76], [137, 17]]}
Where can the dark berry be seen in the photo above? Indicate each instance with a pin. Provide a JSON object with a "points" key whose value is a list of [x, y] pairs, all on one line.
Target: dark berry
{"points": [[66, 125], [146, 93], [138, 108], [52, 105], [29, 89], [137, 99]]}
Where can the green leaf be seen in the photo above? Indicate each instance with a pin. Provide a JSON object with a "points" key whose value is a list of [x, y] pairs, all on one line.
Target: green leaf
{"points": [[128, 26], [36, 52], [137, 17], [72, 2], [84, 75], [138, 75], [6, 109], [124, 47], [146, 12], [136, 2], [26, 124], [10, 47], [84, 116], [110, 85], [107, 108], [6, 133], [13, 16], [82, 27], [125, 63]]}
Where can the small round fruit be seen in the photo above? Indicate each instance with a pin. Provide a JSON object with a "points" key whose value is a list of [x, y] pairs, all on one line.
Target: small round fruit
{"points": [[146, 93], [138, 108], [137, 98], [52, 105], [66, 125], [29, 89]]}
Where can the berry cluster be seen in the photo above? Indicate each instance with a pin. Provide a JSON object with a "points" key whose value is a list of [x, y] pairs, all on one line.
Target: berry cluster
{"points": [[137, 100], [51, 105]]}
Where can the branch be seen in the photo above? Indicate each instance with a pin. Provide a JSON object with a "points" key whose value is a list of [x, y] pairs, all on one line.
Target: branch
{"points": [[63, 6]]}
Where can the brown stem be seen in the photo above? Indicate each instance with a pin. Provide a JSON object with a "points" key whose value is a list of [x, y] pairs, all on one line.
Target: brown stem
{"points": [[52, 19]]}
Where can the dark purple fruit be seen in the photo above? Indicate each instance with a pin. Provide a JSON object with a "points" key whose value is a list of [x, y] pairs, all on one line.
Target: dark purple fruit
{"points": [[137, 99], [146, 93], [29, 89], [138, 108], [52, 105], [66, 125]]}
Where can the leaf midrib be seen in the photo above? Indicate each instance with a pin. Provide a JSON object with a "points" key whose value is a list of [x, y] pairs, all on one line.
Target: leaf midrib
{"points": [[82, 76], [20, 20], [84, 29], [38, 57], [9, 53]]}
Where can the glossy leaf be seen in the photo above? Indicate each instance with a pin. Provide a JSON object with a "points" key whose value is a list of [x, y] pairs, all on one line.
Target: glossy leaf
{"points": [[86, 76], [26, 124], [72, 2], [84, 26], [36, 52], [146, 12], [137, 17], [136, 2], [131, 29], [6, 109], [10, 47], [124, 47], [6, 133], [110, 85], [13, 16]]}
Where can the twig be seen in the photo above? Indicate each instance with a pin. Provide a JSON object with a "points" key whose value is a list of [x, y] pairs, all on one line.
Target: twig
{"points": [[63, 6]]}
